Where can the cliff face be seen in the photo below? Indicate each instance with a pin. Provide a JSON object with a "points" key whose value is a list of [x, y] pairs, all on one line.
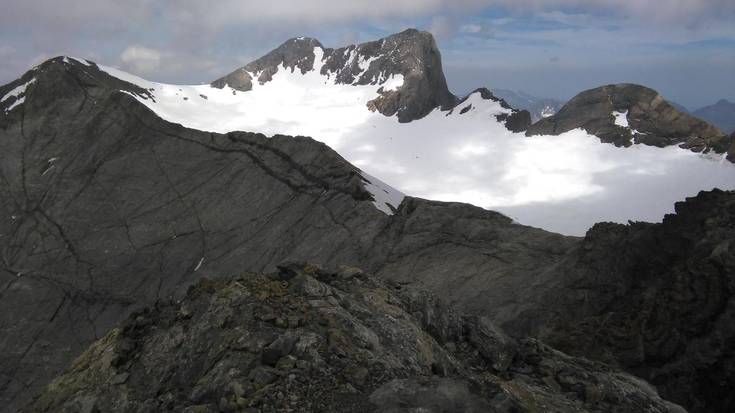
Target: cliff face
{"points": [[306, 339], [655, 299], [624, 114]]}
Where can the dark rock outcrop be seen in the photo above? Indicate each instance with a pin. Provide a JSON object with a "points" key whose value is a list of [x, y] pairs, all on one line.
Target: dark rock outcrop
{"points": [[651, 120], [411, 54], [655, 299], [311, 340]]}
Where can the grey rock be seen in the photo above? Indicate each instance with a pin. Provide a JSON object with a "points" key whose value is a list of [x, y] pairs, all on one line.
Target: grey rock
{"points": [[442, 395], [397, 376], [494, 346], [655, 299]]}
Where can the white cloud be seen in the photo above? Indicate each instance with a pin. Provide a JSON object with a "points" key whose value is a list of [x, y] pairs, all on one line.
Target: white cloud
{"points": [[141, 59], [471, 28], [236, 11]]}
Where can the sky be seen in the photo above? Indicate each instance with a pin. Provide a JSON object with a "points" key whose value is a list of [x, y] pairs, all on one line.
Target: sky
{"points": [[685, 49]]}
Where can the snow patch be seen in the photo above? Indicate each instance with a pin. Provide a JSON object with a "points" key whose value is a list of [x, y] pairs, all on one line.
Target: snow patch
{"points": [[17, 91], [199, 265], [393, 83], [16, 103], [80, 60], [387, 199], [621, 119], [547, 111]]}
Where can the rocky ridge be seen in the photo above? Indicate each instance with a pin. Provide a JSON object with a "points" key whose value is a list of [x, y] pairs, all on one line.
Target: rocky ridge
{"points": [[625, 114], [310, 340]]}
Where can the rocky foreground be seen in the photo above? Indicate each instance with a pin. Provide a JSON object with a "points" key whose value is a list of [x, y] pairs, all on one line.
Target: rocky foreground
{"points": [[309, 340]]}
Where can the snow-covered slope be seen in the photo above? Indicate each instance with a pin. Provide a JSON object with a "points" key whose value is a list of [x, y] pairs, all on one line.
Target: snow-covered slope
{"points": [[561, 183]]}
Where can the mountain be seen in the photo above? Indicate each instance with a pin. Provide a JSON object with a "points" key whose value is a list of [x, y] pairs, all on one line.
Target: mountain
{"points": [[679, 107], [306, 339], [561, 185], [119, 194], [538, 107], [625, 114], [109, 208], [407, 65], [721, 114]]}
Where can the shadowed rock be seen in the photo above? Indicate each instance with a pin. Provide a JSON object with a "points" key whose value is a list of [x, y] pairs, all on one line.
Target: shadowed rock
{"points": [[360, 345]]}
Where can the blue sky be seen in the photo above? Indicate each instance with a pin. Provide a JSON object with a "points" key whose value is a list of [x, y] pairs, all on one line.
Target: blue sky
{"points": [[685, 49]]}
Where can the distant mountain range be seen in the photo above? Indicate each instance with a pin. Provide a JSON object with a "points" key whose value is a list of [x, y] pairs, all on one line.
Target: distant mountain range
{"points": [[538, 107], [721, 114]]}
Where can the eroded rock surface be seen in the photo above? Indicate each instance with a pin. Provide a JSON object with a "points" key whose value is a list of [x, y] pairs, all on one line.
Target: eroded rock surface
{"points": [[305, 339]]}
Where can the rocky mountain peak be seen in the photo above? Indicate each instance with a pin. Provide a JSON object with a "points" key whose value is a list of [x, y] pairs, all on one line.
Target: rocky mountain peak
{"points": [[721, 114], [624, 114], [405, 67]]}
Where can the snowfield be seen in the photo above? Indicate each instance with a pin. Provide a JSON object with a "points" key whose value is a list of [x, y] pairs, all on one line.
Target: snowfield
{"points": [[561, 183]]}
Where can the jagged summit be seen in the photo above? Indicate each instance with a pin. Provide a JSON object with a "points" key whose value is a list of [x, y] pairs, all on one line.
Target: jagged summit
{"points": [[411, 56], [624, 114]]}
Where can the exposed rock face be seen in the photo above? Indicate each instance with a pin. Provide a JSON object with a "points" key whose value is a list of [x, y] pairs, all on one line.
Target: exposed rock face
{"points": [[650, 120], [305, 339], [656, 299], [411, 54]]}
